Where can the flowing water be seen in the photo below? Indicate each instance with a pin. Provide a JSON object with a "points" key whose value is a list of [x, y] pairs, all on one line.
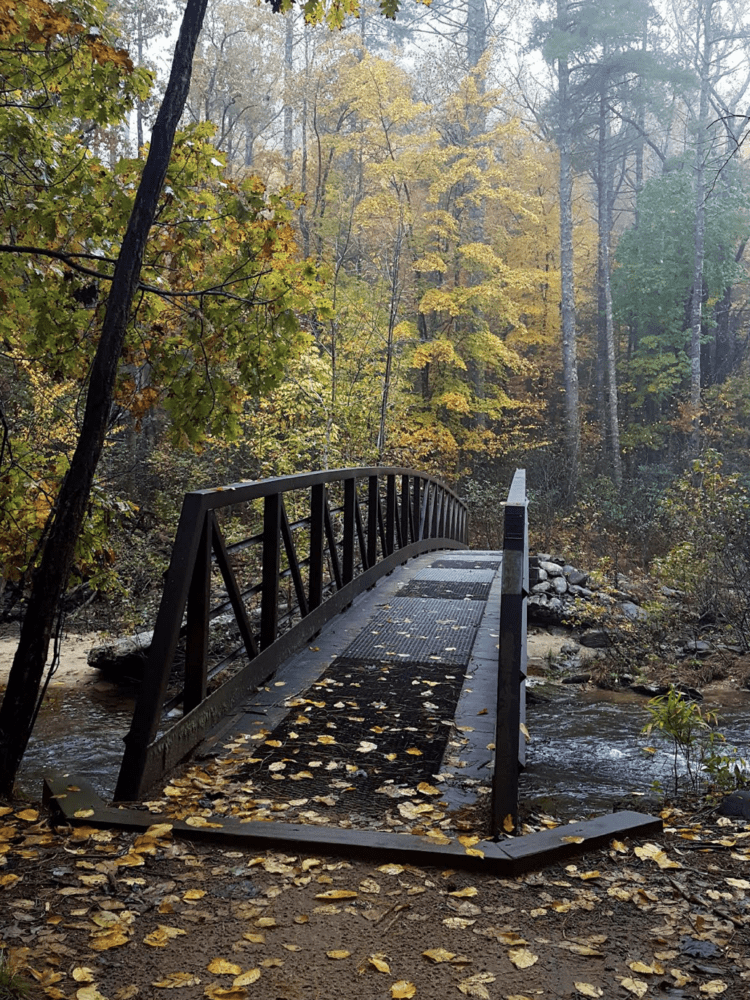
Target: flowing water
{"points": [[585, 755], [586, 750]]}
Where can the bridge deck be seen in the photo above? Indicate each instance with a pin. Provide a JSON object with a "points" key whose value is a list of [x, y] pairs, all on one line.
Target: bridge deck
{"points": [[415, 657], [398, 692]]}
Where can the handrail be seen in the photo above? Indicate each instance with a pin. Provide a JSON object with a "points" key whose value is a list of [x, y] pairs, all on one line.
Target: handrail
{"points": [[510, 739], [357, 525]]}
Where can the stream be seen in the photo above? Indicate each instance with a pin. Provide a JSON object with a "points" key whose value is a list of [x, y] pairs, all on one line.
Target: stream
{"points": [[585, 754]]}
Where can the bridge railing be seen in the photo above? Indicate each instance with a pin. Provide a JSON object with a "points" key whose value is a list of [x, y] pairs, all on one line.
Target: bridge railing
{"points": [[257, 569], [510, 736]]}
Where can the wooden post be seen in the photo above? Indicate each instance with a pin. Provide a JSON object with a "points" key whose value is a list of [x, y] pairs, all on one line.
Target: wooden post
{"points": [[509, 740], [198, 606]]}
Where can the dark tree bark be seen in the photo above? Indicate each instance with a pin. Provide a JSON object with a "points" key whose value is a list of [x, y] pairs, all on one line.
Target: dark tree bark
{"points": [[49, 580]]}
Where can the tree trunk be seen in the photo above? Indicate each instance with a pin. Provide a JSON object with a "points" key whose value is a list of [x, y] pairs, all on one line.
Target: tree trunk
{"points": [[567, 281], [606, 322], [703, 54], [288, 110], [49, 579]]}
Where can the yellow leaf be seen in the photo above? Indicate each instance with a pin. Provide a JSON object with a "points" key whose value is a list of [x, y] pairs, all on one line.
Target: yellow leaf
{"points": [[573, 840], [89, 993], [255, 938], [193, 894], [651, 852], [369, 885], [221, 967], [426, 789], [201, 821], [108, 939], [233, 993], [265, 922], [338, 953], [587, 990], [508, 824], [474, 985], [682, 978], [470, 890], [525, 731], [162, 934], [636, 986], [29, 815], [326, 739], [130, 860], [467, 840], [738, 883], [402, 990], [177, 979], [414, 752], [522, 958], [378, 962], [438, 955], [714, 987], [251, 976], [649, 970], [82, 974], [9, 879], [83, 813], [365, 747], [458, 923], [391, 869], [617, 845], [337, 894]]}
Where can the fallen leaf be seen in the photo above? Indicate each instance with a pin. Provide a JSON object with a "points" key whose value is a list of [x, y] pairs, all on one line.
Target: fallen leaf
{"points": [[83, 974], [587, 990], [83, 813], [89, 993], [572, 840], [681, 978], [649, 970], [522, 958], [251, 976], [162, 935], [402, 990], [391, 869], [738, 883], [458, 923], [414, 752], [617, 845], [29, 815], [636, 986], [378, 962], [219, 993], [438, 955], [221, 967], [470, 890], [177, 979], [651, 852], [474, 985], [366, 747], [714, 987], [326, 739], [338, 953], [337, 894], [427, 789], [508, 824]]}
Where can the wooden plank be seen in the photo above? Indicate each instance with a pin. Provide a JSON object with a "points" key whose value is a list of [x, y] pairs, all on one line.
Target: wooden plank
{"points": [[78, 802]]}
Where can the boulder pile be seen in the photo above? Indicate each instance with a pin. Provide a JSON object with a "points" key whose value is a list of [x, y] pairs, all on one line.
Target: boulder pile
{"points": [[555, 587]]}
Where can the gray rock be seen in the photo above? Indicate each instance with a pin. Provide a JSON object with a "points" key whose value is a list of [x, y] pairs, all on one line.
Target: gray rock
{"points": [[122, 656], [577, 579], [560, 584], [596, 638], [736, 804], [633, 612], [541, 588], [697, 647], [550, 568]]}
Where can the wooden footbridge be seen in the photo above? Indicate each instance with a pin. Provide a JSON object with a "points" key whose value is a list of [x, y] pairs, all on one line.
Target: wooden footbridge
{"points": [[250, 643]]}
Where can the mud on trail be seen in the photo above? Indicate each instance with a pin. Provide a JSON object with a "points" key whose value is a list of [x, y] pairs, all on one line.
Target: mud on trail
{"points": [[96, 913]]}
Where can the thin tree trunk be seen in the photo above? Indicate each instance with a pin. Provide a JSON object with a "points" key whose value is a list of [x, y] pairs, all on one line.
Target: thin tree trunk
{"points": [[392, 316], [606, 322], [49, 580], [288, 110], [567, 282], [696, 303]]}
